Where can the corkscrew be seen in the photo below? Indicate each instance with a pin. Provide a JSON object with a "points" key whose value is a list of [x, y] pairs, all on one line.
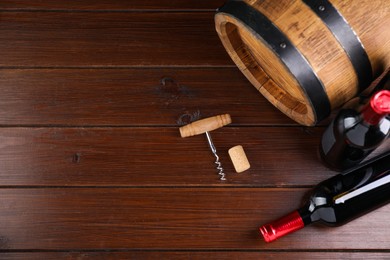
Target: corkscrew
{"points": [[205, 126], [217, 162]]}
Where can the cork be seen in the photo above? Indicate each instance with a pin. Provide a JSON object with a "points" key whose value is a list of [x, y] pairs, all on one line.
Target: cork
{"points": [[239, 159]]}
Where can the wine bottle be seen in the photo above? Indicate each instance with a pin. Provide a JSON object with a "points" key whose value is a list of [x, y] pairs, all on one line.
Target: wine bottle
{"points": [[355, 133], [339, 199]]}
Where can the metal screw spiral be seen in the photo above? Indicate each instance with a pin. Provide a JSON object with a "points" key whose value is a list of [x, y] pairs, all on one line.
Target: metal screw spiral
{"points": [[217, 162], [219, 168]]}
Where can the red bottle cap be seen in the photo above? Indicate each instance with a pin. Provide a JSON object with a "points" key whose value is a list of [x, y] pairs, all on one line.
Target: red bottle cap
{"points": [[378, 107], [281, 227], [381, 102]]}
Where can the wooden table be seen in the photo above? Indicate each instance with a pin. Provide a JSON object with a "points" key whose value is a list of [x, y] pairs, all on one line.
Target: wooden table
{"points": [[91, 161]]}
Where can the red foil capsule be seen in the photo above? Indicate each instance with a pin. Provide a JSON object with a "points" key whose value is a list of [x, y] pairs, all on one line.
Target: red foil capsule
{"points": [[381, 102], [281, 227], [378, 107]]}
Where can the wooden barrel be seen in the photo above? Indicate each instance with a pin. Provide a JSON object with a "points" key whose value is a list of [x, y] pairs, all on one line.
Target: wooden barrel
{"points": [[307, 57]]}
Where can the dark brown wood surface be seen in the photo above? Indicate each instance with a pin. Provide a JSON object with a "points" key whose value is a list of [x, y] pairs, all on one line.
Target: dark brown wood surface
{"points": [[119, 5], [92, 165]]}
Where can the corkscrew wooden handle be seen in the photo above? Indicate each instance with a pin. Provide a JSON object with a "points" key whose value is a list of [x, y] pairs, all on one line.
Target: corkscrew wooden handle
{"points": [[205, 125]]}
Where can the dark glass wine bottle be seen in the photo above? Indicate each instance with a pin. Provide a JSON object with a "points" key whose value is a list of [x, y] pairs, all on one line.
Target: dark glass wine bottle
{"points": [[355, 133], [339, 199]]}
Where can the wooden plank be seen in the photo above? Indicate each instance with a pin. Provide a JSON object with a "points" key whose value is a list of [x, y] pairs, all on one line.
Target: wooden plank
{"points": [[74, 39], [111, 5], [130, 97], [139, 156], [91, 162], [170, 218], [157, 157], [194, 255]]}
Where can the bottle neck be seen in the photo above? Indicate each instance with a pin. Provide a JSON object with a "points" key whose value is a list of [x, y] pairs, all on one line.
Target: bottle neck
{"points": [[283, 226], [370, 116], [377, 108]]}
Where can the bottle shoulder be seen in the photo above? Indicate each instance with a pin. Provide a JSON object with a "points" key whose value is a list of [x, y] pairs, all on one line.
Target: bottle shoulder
{"points": [[334, 200], [350, 125], [366, 135]]}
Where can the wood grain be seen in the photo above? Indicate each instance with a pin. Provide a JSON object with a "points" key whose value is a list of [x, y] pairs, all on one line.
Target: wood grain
{"points": [[105, 5], [77, 39], [92, 165], [169, 218], [195, 255], [318, 45], [372, 29], [155, 156], [128, 97]]}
